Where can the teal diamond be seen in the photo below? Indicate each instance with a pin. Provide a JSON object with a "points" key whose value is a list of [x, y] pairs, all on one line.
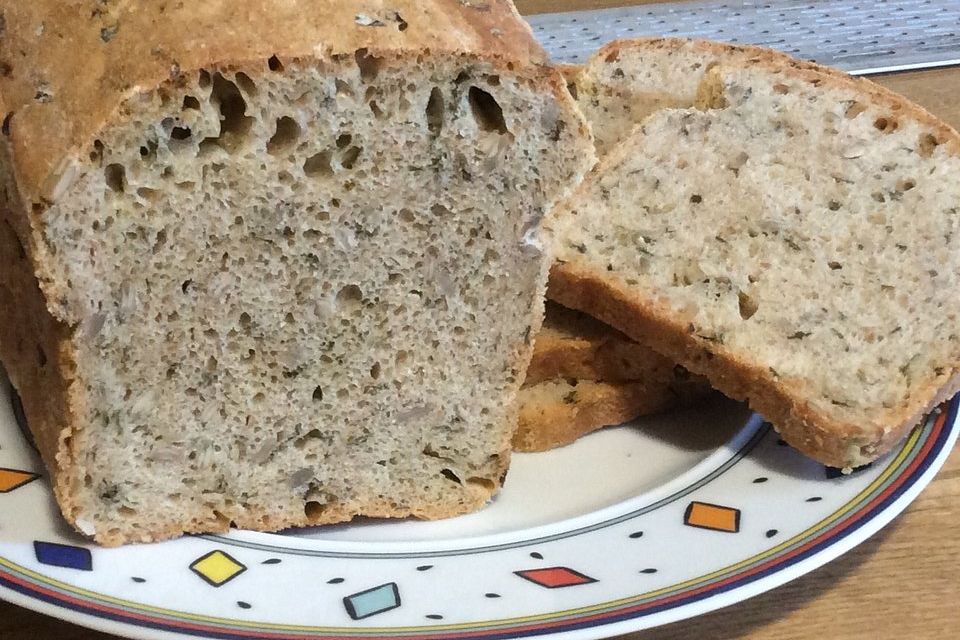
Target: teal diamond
{"points": [[372, 601]]}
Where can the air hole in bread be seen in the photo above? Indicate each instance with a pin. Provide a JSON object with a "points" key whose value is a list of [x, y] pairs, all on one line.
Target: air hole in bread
{"points": [[190, 102], [378, 113], [905, 184], [285, 136], [375, 371], [886, 125], [435, 109], [854, 109], [781, 89], [927, 143], [234, 123], [41, 357], [344, 88], [349, 297], [246, 84], [179, 133], [313, 510], [368, 64], [116, 177], [6, 123], [450, 475], [349, 157], [274, 64], [486, 111], [748, 306], [834, 265], [317, 394], [318, 165]]}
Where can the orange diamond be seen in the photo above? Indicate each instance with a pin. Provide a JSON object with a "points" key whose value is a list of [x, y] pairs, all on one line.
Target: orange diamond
{"points": [[712, 516], [11, 479]]}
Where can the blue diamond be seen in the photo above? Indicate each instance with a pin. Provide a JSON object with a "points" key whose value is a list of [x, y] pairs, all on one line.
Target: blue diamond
{"points": [[372, 601], [63, 555]]}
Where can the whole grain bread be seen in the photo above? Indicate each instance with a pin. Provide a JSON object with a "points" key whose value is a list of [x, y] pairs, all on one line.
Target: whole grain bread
{"points": [[241, 240], [554, 413], [794, 239], [585, 375], [571, 344]]}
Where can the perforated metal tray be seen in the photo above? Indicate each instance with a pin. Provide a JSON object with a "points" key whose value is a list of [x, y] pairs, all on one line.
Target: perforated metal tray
{"points": [[858, 36]]}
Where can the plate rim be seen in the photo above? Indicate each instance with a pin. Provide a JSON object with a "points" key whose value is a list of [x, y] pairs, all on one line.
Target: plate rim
{"points": [[866, 520]]}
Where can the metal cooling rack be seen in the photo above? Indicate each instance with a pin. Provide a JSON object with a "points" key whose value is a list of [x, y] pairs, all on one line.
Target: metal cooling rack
{"points": [[858, 36]]}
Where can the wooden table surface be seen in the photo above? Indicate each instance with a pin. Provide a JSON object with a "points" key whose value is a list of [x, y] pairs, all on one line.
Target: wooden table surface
{"points": [[903, 583]]}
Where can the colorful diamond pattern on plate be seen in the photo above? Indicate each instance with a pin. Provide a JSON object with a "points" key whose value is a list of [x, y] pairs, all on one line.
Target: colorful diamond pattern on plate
{"points": [[712, 516], [63, 555], [217, 568], [555, 577], [372, 601], [11, 479]]}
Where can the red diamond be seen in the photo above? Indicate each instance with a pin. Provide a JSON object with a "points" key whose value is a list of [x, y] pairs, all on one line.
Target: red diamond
{"points": [[555, 577]]}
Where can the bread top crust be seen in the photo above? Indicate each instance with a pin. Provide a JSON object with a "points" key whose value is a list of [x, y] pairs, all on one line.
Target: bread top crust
{"points": [[66, 66]]}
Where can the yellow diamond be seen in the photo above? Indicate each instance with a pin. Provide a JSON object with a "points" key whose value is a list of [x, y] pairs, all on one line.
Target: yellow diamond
{"points": [[217, 568]]}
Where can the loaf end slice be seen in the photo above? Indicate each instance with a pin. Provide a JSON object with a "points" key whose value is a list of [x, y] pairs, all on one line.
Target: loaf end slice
{"points": [[555, 413], [794, 240]]}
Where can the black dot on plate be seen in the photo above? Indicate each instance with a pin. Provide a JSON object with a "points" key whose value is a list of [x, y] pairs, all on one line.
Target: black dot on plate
{"points": [[759, 480], [648, 570], [138, 579], [425, 567], [334, 580], [636, 534], [243, 605], [272, 561], [434, 616], [491, 595], [772, 532], [814, 499], [537, 555]]}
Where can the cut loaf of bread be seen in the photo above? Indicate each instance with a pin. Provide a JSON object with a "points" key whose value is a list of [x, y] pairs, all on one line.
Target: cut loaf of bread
{"points": [[274, 264], [794, 238]]}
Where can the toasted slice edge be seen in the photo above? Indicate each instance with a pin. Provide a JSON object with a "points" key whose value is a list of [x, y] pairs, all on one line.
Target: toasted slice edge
{"points": [[555, 413]]}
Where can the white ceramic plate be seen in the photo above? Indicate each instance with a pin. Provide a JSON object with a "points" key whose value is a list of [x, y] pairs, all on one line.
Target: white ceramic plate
{"points": [[628, 528]]}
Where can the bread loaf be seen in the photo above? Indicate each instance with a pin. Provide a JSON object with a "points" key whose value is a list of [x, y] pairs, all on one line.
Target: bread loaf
{"points": [[274, 264], [794, 238]]}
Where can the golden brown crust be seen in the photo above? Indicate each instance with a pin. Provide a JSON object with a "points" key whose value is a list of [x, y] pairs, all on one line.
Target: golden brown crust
{"points": [[571, 344], [71, 64], [590, 406]]}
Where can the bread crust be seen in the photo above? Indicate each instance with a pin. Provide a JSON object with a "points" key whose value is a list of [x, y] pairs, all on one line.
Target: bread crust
{"points": [[840, 444], [80, 74], [574, 345], [592, 406]]}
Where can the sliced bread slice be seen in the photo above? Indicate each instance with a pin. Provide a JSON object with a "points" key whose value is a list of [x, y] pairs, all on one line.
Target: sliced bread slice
{"points": [[275, 265], [794, 239], [571, 344], [555, 413]]}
